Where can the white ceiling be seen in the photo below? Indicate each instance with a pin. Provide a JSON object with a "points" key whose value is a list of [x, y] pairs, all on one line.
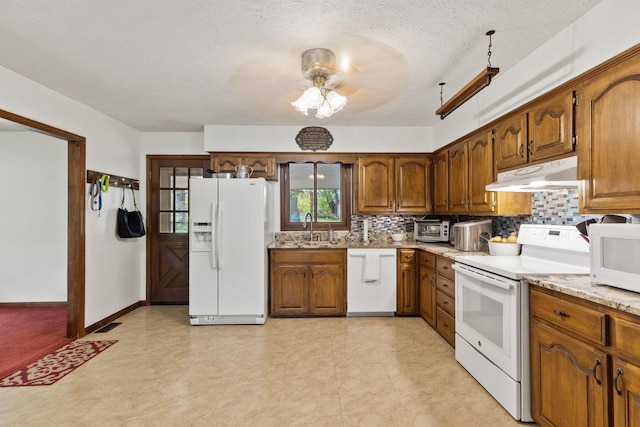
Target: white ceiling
{"points": [[176, 65]]}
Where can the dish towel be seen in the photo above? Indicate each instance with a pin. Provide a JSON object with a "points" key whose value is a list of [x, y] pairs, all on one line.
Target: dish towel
{"points": [[371, 267]]}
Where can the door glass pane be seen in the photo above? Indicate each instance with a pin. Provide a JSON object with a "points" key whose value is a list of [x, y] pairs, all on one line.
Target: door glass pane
{"points": [[166, 177], [166, 200], [182, 200], [182, 177], [612, 247], [485, 314], [181, 222], [166, 225], [300, 190], [329, 198], [196, 172]]}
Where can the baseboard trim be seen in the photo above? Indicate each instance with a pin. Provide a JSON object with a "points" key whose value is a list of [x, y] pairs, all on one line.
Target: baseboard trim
{"points": [[33, 304], [109, 319]]}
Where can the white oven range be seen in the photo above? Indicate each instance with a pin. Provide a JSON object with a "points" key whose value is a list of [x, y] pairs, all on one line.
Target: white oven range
{"points": [[492, 309]]}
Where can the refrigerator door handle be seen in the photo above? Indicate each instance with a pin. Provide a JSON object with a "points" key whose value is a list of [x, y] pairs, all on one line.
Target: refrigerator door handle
{"points": [[214, 237], [219, 237]]}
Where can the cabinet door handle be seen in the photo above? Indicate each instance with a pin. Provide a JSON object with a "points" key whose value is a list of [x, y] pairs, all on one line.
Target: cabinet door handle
{"points": [[398, 204], [561, 314], [615, 382], [595, 374], [530, 147]]}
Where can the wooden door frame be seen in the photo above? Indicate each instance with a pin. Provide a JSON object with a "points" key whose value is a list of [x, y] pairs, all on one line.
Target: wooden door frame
{"points": [[151, 158], [76, 164]]}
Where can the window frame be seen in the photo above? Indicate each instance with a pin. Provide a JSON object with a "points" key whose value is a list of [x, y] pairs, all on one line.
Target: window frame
{"points": [[346, 171]]}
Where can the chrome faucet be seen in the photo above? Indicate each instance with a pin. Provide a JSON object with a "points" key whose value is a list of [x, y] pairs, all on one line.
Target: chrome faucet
{"points": [[308, 215]]}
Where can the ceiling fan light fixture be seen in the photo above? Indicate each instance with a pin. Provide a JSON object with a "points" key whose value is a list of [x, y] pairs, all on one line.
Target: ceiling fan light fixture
{"points": [[313, 97], [318, 65], [301, 105], [324, 111], [336, 101]]}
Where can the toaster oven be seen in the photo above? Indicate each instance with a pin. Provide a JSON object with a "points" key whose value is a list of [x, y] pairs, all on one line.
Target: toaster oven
{"points": [[431, 230]]}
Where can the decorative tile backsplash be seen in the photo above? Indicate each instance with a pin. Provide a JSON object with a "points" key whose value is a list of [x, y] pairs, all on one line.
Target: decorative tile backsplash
{"points": [[381, 223], [547, 207]]}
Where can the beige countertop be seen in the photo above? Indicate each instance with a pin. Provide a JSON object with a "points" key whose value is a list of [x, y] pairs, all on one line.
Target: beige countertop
{"points": [[443, 249]]}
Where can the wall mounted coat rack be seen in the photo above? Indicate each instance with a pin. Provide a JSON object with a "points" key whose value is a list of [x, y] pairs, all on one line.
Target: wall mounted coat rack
{"points": [[114, 180]]}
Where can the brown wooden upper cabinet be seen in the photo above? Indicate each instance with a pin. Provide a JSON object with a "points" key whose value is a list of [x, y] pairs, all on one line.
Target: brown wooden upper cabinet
{"points": [[542, 132], [470, 170], [608, 130], [264, 165], [394, 184], [441, 182], [458, 177]]}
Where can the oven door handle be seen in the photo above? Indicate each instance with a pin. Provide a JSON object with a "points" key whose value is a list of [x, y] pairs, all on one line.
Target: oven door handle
{"points": [[483, 278]]}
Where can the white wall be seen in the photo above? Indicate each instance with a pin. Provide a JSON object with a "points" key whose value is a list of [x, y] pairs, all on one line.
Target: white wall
{"points": [[115, 269], [346, 139], [170, 143], [33, 247], [606, 30]]}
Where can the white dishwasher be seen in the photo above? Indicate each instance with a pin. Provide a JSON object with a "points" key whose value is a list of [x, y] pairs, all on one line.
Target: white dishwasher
{"points": [[371, 282]]}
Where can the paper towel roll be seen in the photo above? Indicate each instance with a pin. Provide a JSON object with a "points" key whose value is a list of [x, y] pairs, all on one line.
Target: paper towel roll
{"points": [[365, 230]]}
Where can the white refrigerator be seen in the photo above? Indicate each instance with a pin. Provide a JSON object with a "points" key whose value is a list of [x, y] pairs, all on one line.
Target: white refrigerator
{"points": [[230, 225]]}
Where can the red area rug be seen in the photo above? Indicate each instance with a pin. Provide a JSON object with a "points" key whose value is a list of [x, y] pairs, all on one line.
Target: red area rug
{"points": [[29, 333], [55, 366]]}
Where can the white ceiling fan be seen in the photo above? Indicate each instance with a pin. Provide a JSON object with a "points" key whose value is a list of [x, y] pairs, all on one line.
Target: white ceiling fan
{"points": [[366, 72], [319, 66]]}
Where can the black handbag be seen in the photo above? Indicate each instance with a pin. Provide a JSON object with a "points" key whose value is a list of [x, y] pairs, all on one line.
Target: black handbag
{"points": [[129, 224]]}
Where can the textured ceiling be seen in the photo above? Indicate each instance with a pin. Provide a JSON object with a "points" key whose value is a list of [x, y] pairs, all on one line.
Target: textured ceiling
{"points": [[167, 65]]}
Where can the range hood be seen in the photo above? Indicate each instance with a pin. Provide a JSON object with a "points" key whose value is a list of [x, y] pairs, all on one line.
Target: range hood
{"points": [[555, 175]]}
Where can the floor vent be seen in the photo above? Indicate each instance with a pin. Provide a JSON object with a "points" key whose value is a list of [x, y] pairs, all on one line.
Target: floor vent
{"points": [[107, 328]]}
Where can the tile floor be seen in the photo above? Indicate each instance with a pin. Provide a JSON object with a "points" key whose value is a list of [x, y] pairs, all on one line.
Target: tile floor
{"points": [[288, 372]]}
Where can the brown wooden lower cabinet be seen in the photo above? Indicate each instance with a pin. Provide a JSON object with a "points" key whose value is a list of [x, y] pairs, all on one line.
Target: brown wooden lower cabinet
{"points": [[565, 390], [308, 282], [626, 393], [585, 362], [427, 287], [445, 299], [407, 286]]}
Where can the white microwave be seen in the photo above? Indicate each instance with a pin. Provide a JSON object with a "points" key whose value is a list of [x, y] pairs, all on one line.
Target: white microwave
{"points": [[615, 255]]}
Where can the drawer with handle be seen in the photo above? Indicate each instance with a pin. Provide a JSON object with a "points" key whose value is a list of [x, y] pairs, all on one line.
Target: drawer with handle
{"points": [[445, 285], [584, 321], [428, 260], [406, 255], [445, 302], [446, 325], [444, 267]]}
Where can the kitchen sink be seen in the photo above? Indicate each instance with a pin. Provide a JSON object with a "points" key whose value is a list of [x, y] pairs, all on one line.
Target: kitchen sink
{"points": [[307, 244]]}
